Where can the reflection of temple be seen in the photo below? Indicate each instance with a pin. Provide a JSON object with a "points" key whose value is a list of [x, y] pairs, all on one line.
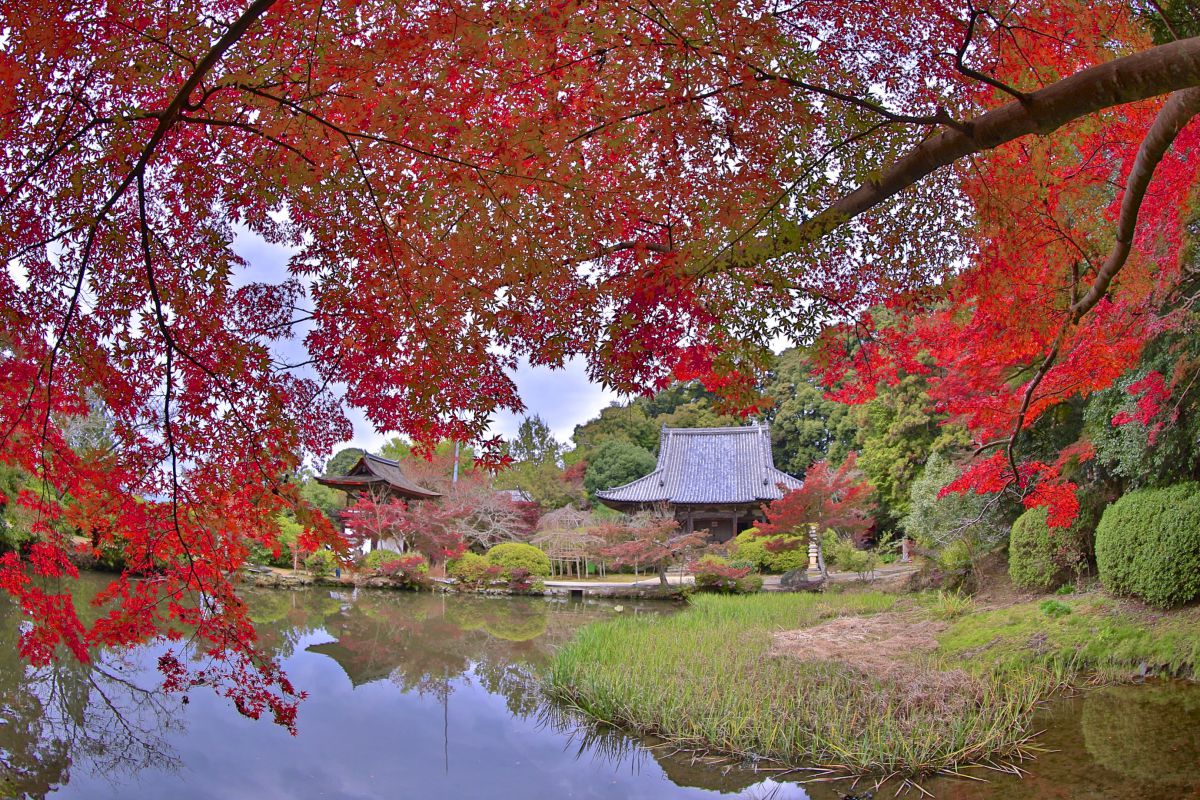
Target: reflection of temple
{"points": [[712, 478]]}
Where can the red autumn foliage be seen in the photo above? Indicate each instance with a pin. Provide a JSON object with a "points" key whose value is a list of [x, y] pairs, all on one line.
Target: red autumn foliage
{"points": [[652, 541], [461, 186], [841, 499], [422, 526]]}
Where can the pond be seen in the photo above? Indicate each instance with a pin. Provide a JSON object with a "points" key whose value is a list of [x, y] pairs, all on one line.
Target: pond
{"points": [[436, 696]]}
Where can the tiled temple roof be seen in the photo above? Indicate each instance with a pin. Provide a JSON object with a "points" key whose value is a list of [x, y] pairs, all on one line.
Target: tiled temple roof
{"points": [[708, 466], [376, 473]]}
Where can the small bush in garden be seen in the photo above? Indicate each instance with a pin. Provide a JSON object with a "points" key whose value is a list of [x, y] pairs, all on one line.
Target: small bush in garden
{"points": [[1148, 545], [408, 571], [1066, 588], [377, 558], [470, 569], [1054, 608], [770, 553], [741, 563], [955, 557], [850, 559], [1041, 557], [716, 574], [522, 580], [321, 563], [750, 584], [515, 555]]}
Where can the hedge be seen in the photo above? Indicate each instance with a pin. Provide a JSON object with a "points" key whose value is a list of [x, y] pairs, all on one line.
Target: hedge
{"points": [[514, 555], [1040, 557], [750, 546], [1148, 545]]}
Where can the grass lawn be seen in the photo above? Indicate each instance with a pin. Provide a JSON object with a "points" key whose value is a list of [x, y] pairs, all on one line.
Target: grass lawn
{"points": [[941, 684]]}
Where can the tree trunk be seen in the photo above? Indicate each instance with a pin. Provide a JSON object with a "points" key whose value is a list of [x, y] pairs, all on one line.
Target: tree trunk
{"points": [[662, 575]]}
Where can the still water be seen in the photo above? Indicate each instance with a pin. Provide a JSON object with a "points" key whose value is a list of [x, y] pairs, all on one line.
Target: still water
{"points": [[417, 696]]}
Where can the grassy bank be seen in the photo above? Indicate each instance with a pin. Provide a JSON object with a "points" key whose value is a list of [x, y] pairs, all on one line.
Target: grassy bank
{"points": [[714, 677]]}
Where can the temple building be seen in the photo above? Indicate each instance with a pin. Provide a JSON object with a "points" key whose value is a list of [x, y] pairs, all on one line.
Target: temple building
{"points": [[381, 480], [712, 478], [378, 478]]}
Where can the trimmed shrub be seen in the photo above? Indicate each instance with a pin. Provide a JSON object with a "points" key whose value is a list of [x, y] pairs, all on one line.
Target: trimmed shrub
{"points": [[1037, 552], [716, 574], [320, 563], [514, 555], [1148, 545], [472, 569], [377, 558], [750, 547]]}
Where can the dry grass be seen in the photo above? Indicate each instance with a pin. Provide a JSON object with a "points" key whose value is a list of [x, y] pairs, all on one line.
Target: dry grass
{"points": [[799, 680]]}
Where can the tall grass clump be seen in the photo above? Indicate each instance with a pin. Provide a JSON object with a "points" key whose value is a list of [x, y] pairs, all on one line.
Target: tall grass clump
{"points": [[705, 678]]}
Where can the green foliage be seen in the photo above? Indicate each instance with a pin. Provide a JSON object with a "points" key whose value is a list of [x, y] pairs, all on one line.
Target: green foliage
{"points": [[805, 427], [14, 528], [1041, 557], [534, 443], [1065, 589], [1128, 451], [321, 563], [1054, 608], [842, 552], [938, 522], [470, 569], [327, 500], [544, 482], [343, 461], [377, 558], [616, 462], [897, 434], [1148, 545], [750, 547], [955, 557], [617, 422], [516, 555]]}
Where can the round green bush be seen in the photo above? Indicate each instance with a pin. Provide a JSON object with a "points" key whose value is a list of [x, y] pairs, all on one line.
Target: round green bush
{"points": [[469, 568], [514, 555], [377, 558], [1148, 545], [1033, 552], [320, 563]]}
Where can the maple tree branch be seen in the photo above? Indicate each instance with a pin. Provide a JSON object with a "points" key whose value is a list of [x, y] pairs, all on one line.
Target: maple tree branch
{"points": [[1180, 108], [1150, 73], [961, 66]]}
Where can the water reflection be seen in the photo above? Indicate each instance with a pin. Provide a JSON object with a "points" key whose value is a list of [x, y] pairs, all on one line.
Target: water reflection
{"points": [[426, 695], [102, 718]]}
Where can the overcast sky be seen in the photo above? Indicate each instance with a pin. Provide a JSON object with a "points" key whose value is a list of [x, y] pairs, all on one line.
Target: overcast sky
{"points": [[563, 398]]}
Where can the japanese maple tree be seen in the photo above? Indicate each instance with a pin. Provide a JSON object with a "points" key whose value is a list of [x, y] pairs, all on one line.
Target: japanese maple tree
{"points": [[841, 499], [421, 526], [652, 541], [661, 188]]}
